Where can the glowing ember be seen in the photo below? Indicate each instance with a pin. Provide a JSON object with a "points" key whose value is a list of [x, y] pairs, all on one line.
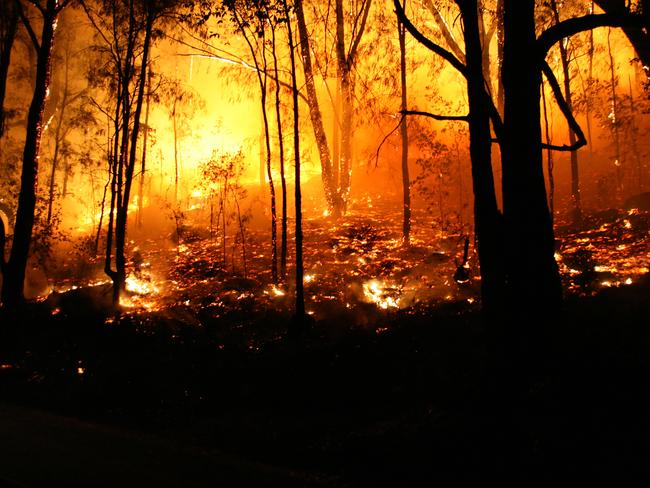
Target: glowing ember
{"points": [[277, 291]]}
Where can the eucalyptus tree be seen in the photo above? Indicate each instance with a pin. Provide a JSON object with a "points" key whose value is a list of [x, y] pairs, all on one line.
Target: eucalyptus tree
{"points": [[256, 21], [125, 30], [14, 268], [336, 172], [524, 234], [8, 28]]}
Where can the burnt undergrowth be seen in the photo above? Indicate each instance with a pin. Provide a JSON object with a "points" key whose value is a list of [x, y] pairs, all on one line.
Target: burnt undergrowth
{"points": [[410, 398]]}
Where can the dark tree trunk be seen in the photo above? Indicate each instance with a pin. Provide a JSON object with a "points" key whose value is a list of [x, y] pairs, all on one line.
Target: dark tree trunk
{"points": [[406, 181], [300, 293], [283, 181], [345, 82], [8, 27], [14, 275], [487, 218], [532, 274], [123, 207]]}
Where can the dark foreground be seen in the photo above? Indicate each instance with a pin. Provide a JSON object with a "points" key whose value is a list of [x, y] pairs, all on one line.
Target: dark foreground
{"points": [[169, 402]]}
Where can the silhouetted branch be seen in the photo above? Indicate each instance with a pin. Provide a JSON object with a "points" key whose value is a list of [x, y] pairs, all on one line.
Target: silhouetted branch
{"points": [[428, 43], [566, 111], [570, 27], [463, 118], [404, 113], [28, 26]]}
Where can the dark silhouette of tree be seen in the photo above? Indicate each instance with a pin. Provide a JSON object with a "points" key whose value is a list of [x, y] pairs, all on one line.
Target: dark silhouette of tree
{"points": [[487, 218], [8, 29], [14, 268], [275, 22], [253, 19], [300, 317], [406, 182], [529, 236], [126, 28], [336, 173]]}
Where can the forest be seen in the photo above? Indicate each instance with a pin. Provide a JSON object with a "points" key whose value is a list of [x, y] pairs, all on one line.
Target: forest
{"points": [[323, 242]]}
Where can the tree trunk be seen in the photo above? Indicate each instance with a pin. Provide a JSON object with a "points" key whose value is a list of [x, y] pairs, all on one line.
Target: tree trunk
{"points": [[314, 109], [123, 210], [143, 161], [532, 274], [8, 27], [406, 181], [487, 218], [14, 276], [283, 181], [300, 293]]}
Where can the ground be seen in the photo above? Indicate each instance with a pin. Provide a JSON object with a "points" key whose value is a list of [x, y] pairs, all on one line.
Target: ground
{"points": [[369, 396]]}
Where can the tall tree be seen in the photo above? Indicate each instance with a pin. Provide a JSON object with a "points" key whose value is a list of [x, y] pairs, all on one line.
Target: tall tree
{"points": [[576, 205], [8, 28], [406, 181], [126, 28], [253, 19], [14, 269], [487, 218]]}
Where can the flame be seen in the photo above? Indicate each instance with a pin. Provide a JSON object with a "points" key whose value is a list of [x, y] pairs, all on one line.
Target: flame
{"points": [[375, 292], [139, 286]]}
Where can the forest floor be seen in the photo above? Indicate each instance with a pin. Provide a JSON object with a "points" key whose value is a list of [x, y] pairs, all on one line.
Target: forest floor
{"points": [[389, 386]]}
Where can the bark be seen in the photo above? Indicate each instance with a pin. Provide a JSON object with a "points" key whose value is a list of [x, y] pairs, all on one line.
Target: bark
{"points": [[406, 181], [531, 271], [14, 275]]}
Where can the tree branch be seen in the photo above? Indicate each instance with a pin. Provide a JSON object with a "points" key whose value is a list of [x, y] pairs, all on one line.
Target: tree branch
{"points": [[357, 38], [570, 27], [444, 29], [428, 43], [566, 111], [463, 118], [28, 26]]}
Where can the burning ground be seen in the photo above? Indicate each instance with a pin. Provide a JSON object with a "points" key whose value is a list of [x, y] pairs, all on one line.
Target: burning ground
{"points": [[392, 383]]}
